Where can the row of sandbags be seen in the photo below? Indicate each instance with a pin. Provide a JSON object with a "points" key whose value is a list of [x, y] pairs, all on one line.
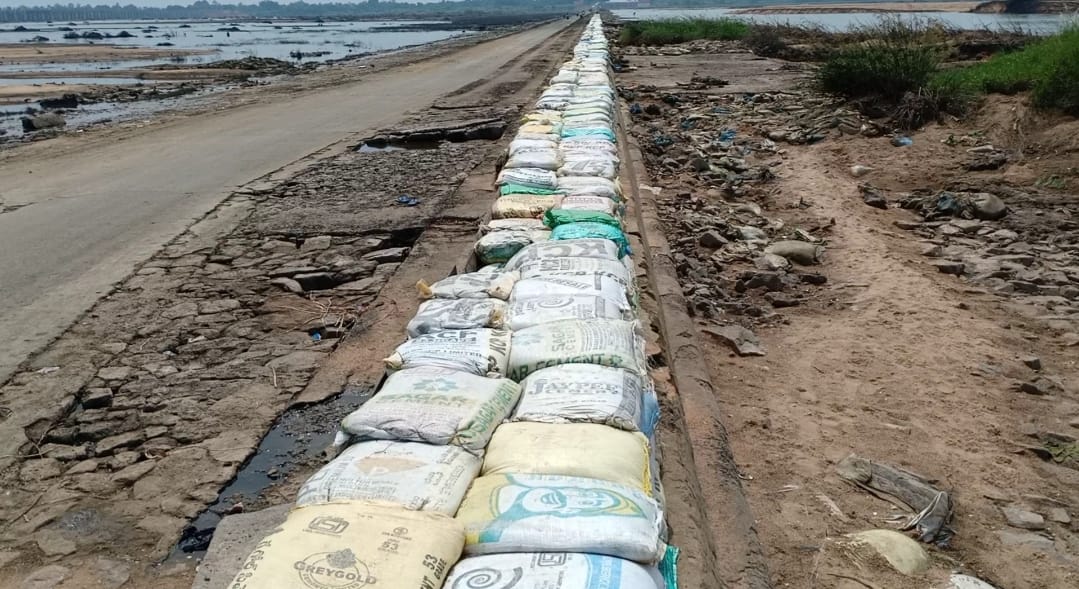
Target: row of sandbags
{"points": [[512, 444]]}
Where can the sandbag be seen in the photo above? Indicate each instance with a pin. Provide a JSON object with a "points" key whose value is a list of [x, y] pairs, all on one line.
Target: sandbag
{"points": [[541, 128], [586, 450], [416, 476], [353, 545], [557, 266], [599, 285], [538, 158], [550, 570], [584, 393], [435, 406], [525, 144], [578, 185], [557, 217], [441, 314], [523, 205], [589, 145], [477, 351], [499, 246], [544, 513], [471, 285], [588, 230], [512, 224], [600, 204], [591, 167], [528, 312], [605, 342], [799, 252], [596, 131], [581, 248], [530, 177], [548, 137]]}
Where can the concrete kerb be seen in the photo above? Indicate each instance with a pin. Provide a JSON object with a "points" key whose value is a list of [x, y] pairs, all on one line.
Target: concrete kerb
{"points": [[732, 555]]}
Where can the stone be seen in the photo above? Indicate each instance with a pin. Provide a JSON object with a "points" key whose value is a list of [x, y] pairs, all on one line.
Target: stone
{"points": [[769, 281], [7, 556], [133, 473], [112, 574], [858, 170], [1003, 235], [1059, 515], [39, 470], [1029, 540], [49, 120], [363, 286], [932, 251], [115, 373], [181, 310], [278, 246], [781, 300], [112, 443], [287, 284], [988, 206], [46, 577], [743, 341], [1021, 518], [155, 431], [949, 267], [771, 263], [92, 432], [966, 225], [712, 239], [905, 554], [750, 233], [700, 164], [799, 252], [395, 254], [83, 467], [874, 198], [299, 361], [218, 306], [233, 540], [958, 581], [96, 398], [122, 460], [315, 244], [64, 452], [315, 280], [907, 225], [52, 543], [1041, 386], [293, 270], [1032, 362]]}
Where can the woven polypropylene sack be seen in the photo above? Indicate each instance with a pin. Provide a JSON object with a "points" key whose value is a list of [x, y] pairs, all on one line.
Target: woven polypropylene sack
{"points": [[550, 570], [608, 343], [525, 206], [525, 312], [478, 351], [441, 314], [471, 285], [532, 177], [580, 248], [582, 393], [574, 285], [499, 246]]}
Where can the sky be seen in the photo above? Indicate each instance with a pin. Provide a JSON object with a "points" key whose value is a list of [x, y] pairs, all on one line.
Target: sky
{"points": [[153, 2]]}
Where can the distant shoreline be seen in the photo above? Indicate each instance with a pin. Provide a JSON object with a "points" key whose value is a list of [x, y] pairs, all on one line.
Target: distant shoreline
{"points": [[868, 7]]}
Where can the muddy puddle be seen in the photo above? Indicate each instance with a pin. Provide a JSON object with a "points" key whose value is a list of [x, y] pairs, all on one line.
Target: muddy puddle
{"points": [[384, 146]]}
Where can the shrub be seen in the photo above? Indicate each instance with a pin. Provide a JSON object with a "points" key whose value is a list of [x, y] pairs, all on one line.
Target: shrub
{"points": [[877, 70], [666, 32], [1060, 88]]}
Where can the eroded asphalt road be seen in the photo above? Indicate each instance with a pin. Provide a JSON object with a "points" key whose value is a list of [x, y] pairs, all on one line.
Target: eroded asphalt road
{"points": [[80, 221]]}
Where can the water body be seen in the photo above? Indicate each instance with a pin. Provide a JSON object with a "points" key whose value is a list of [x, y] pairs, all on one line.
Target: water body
{"points": [[1042, 24]]}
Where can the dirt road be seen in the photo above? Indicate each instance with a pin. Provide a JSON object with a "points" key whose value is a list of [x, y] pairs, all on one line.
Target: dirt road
{"points": [[78, 221]]}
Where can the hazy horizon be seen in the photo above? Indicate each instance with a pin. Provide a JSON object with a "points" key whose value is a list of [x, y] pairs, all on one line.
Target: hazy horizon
{"points": [[164, 3]]}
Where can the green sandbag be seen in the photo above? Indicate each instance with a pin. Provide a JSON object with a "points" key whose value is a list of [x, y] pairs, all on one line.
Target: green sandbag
{"points": [[588, 230], [522, 189], [555, 217]]}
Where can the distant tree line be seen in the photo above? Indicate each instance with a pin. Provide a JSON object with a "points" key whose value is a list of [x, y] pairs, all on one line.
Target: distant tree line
{"points": [[268, 9]]}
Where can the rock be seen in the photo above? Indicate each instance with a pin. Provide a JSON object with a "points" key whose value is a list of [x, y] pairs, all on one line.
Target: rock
{"points": [[218, 306], [39, 470], [949, 267], [1059, 515], [96, 398], [315, 281], [813, 278], [738, 338], [43, 121], [771, 262], [988, 206], [1021, 518], [112, 574], [904, 554], [1003, 235], [64, 453], [133, 473], [858, 170], [874, 197], [700, 164], [114, 373], [932, 251], [278, 246], [1041, 386], [396, 254], [83, 467], [1033, 362], [45, 577], [907, 225], [299, 361], [712, 239], [7, 556], [1029, 540], [52, 543], [188, 309], [770, 281], [799, 252], [112, 443], [750, 233], [363, 286], [958, 581], [748, 207], [314, 244], [780, 300], [288, 284]]}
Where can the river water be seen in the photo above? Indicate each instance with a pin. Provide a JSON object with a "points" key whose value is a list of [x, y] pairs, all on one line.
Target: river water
{"points": [[1042, 24]]}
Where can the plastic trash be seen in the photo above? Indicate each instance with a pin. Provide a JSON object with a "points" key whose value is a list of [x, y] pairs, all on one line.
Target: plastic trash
{"points": [[408, 201], [902, 141]]}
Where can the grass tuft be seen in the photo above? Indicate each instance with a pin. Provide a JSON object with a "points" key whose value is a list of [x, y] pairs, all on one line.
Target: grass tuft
{"points": [[666, 32], [881, 70]]}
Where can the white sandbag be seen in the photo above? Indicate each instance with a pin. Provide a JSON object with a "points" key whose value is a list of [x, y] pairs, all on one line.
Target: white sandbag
{"points": [[570, 449], [599, 204], [544, 158], [543, 117], [416, 476], [544, 513], [471, 285], [605, 342], [592, 167], [499, 246], [574, 144], [531, 177], [548, 137], [353, 545], [523, 205], [599, 285], [576, 185], [515, 224], [575, 248], [527, 312], [565, 77], [441, 314], [522, 144], [582, 393], [477, 351], [550, 570], [436, 407]]}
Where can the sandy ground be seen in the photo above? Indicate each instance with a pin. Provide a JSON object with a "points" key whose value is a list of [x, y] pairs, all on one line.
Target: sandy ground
{"points": [[19, 93], [889, 359], [862, 7], [28, 53]]}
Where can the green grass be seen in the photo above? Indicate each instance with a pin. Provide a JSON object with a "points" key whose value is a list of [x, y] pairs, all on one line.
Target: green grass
{"points": [[882, 70], [666, 32]]}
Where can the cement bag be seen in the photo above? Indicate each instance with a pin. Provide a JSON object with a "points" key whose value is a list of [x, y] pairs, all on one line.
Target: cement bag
{"points": [[586, 450], [512, 188], [597, 285], [593, 131], [543, 117], [565, 77], [577, 267], [544, 513], [599, 108], [353, 545], [442, 314], [549, 137], [589, 146], [589, 121], [559, 217], [477, 351], [554, 102], [608, 343], [521, 144], [540, 158], [599, 204], [583, 393], [499, 246], [579, 185], [415, 476], [517, 224], [588, 230], [550, 570], [581, 248], [471, 285], [553, 128], [595, 166], [435, 406], [531, 311], [523, 206], [534, 177]]}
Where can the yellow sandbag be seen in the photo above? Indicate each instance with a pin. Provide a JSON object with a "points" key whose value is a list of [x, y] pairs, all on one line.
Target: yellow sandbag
{"points": [[523, 206], [541, 128], [570, 449], [352, 545]]}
